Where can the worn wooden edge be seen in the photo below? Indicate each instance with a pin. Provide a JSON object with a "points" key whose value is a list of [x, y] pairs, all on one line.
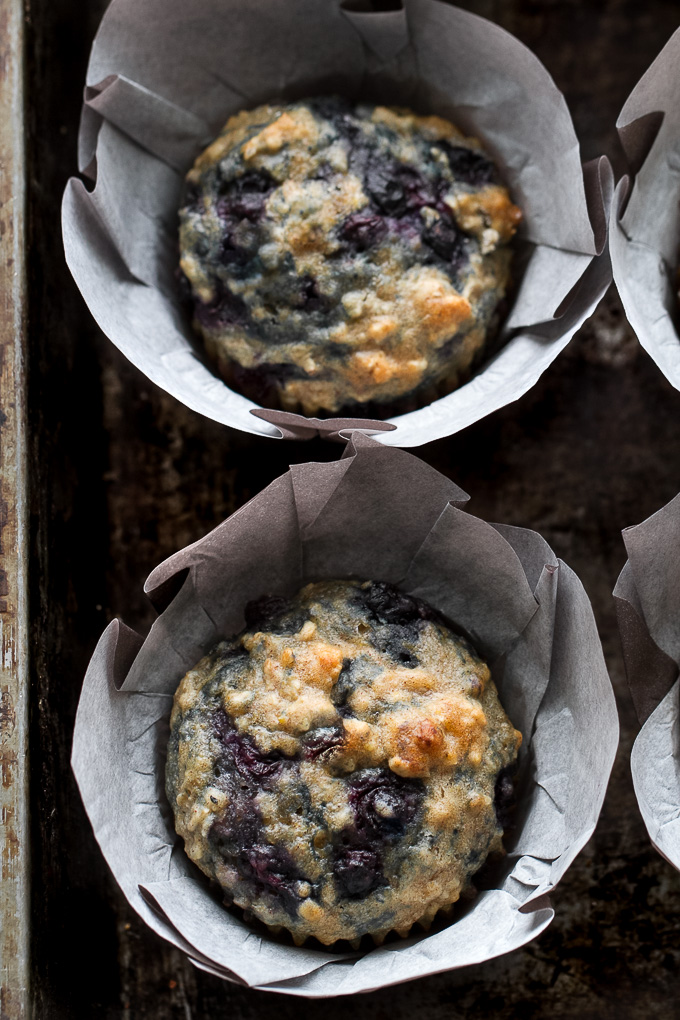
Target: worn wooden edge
{"points": [[14, 831]]}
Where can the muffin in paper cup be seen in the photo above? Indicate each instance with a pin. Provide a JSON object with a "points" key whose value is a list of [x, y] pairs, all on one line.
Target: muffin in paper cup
{"points": [[647, 597], [381, 514], [645, 222], [163, 79]]}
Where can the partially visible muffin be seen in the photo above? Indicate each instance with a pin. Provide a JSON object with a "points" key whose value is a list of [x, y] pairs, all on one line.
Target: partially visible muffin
{"points": [[340, 768], [342, 255]]}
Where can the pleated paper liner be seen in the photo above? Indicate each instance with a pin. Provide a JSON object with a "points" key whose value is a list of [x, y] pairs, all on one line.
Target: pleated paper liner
{"points": [[648, 608], [645, 221], [165, 75], [375, 513]]}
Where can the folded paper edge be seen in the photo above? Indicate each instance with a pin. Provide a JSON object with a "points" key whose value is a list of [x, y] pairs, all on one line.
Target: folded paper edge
{"points": [[542, 916], [638, 130], [650, 672], [638, 125], [598, 177], [338, 430], [653, 826]]}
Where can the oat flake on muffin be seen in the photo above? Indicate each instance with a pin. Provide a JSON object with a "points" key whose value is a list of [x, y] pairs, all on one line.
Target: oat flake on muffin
{"points": [[342, 255], [340, 767]]}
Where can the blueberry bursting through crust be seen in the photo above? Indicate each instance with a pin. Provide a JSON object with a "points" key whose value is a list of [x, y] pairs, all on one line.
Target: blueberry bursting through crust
{"points": [[341, 767], [344, 257]]}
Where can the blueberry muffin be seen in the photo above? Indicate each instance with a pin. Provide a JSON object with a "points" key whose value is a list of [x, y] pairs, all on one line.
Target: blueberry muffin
{"points": [[344, 257], [340, 767]]}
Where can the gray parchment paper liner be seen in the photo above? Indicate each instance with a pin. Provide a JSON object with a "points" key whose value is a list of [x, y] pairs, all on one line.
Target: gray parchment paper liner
{"points": [[645, 222], [648, 607], [164, 75], [380, 513]]}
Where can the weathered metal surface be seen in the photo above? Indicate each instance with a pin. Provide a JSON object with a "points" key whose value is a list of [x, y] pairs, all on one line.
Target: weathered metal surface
{"points": [[14, 855], [123, 476]]}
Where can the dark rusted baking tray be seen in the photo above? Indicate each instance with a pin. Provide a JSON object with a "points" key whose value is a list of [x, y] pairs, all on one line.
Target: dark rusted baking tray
{"points": [[14, 681], [116, 476]]}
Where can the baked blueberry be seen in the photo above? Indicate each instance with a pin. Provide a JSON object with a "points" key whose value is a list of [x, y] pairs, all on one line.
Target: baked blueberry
{"points": [[344, 255], [328, 786]]}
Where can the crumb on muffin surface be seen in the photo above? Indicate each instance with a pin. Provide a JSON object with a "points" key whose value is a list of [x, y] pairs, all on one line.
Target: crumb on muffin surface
{"points": [[336, 767], [343, 254]]}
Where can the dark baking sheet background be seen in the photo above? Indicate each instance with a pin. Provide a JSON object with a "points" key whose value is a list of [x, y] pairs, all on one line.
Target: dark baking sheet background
{"points": [[122, 475]]}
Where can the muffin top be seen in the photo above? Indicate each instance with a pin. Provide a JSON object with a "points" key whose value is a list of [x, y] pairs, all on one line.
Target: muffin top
{"points": [[342, 255], [336, 767]]}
